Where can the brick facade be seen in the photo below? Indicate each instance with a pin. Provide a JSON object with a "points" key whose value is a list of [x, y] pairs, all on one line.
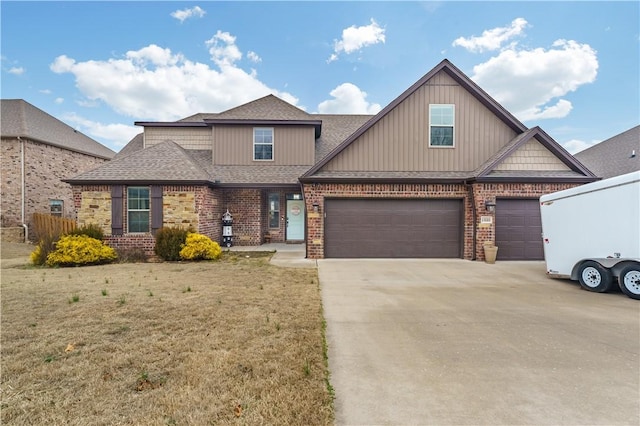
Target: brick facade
{"points": [[473, 196], [44, 167]]}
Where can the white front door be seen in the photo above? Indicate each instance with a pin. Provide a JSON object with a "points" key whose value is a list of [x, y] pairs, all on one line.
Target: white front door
{"points": [[295, 220]]}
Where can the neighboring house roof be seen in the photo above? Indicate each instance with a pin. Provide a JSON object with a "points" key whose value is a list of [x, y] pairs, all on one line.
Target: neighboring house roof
{"points": [[21, 119], [614, 156], [167, 162]]}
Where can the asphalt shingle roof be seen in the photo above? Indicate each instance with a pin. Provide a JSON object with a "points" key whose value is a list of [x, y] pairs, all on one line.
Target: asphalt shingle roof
{"points": [[20, 118], [267, 108], [166, 161], [613, 157]]}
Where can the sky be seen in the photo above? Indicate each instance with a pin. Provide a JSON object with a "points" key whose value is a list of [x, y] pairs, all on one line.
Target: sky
{"points": [[572, 68]]}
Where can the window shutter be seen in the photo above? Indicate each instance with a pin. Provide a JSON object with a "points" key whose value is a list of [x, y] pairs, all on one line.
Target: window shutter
{"points": [[156, 208], [116, 209]]}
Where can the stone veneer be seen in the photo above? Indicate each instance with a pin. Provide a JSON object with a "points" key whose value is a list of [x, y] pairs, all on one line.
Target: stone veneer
{"points": [[474, 234], [45, 166], [183, 205]]}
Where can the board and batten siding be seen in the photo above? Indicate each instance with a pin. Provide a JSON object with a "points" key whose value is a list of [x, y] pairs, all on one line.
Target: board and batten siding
{"points": [[400, 140], [292, 145], [186, 137]]}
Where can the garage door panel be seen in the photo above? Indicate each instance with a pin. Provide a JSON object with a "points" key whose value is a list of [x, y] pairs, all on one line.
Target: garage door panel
{"points": [[384, 228], [518, 229]]}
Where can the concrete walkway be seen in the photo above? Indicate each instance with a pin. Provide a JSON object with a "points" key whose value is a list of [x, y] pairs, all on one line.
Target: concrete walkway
{"points": [[286, 255]]}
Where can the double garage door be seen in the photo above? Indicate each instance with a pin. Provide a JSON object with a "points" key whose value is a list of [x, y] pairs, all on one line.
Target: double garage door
{"points": [[392, 228]]}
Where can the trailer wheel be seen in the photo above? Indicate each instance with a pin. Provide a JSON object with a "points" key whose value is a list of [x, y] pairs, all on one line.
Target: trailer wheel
{"points": [[595, 277], [629, 281]]}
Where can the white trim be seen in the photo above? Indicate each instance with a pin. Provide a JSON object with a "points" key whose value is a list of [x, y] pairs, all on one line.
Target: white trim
{"points": [[453, 126], [253, 146], [139, 210]]}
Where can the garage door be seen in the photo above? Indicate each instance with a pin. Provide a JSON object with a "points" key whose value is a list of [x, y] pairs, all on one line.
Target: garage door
{"points": [[383, 228], [518, 229]]}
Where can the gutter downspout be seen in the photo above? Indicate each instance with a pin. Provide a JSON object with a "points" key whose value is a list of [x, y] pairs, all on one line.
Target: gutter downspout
{"points": [[473, 219], [22, 204]]}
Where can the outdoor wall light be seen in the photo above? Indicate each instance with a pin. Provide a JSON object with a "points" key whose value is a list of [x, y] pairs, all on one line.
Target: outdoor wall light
{"points": [[316, 208], [490, 206]]}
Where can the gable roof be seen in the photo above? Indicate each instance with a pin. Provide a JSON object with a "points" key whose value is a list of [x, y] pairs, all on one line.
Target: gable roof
{"points": [[21, 119], [454, 73], [486, 171], [167, 162], [614, 156]]}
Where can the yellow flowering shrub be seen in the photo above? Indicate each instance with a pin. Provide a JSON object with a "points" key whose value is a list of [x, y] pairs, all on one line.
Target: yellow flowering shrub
{"points": [[72, 250], [198, 246]]}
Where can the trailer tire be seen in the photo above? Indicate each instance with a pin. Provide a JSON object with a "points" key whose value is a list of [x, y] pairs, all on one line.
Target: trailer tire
{"points": [[629, 281], [595, 277]]}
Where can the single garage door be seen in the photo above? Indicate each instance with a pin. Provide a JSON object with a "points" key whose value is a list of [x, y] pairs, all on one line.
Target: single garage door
{"points": [[386, 228], [518, 229]]}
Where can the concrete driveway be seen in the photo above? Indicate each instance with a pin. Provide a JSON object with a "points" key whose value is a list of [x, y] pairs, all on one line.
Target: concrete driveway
{"points": [[453, 342]]}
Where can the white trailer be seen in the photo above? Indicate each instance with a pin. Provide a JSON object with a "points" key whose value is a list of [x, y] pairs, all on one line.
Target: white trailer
{"points": [[591, 233]]}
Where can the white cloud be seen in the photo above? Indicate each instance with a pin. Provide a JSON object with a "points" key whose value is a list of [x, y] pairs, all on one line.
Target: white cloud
{"points": [[16, 70], [355, 38], [531, 83], [348, 99], [154, 83], [45, 91], [182, 15], [253, 56], [59, 100], [223, 49], [492, 39], [114, 135], [575, 145]]}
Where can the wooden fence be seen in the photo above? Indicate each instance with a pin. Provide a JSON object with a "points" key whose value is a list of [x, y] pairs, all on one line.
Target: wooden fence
{"points": [[47, 225]]}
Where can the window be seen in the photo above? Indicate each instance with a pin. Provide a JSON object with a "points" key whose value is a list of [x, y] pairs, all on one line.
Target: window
{"points": [[262, 143], [441, 119], [138, 209], [274, 210], [56, 207]]}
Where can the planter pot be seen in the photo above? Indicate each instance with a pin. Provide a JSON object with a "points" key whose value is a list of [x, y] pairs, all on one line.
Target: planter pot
{"points": [[490, 253]]}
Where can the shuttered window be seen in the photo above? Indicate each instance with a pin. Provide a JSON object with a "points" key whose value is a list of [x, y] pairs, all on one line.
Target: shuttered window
{"points": [[116, 210], [138, 207]]}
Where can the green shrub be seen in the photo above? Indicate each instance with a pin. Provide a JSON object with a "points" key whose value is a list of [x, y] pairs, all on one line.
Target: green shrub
{"points": [[169, 242], [46, 245], [74, 250], [90, 230], [199, 247], [131, 255]]}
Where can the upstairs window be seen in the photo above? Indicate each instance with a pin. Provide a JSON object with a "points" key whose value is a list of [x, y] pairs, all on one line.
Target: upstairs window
{"points": [[262, 144], [441, 125], [138, 202]]}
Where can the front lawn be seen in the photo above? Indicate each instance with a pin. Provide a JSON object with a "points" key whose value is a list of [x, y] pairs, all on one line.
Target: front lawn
{"points": [[234, 341]]}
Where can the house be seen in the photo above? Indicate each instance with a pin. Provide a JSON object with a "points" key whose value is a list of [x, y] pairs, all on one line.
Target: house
{"points": [[615, 156], [438, 172], [38, 151]]}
